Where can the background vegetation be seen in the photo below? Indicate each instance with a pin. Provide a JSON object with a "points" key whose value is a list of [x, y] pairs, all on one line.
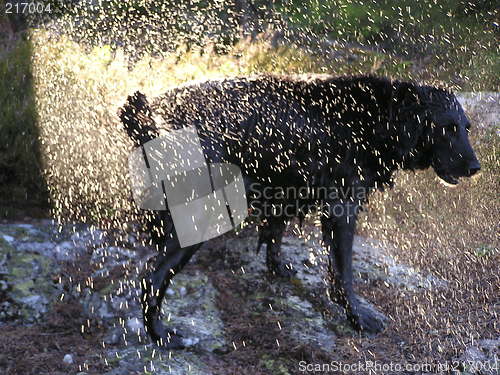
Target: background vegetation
{"points": [[21, 183], [446, 42]]}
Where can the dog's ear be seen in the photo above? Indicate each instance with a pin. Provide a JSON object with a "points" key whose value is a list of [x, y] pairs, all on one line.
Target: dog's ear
{"points": [[404, 100], [406, 117]]}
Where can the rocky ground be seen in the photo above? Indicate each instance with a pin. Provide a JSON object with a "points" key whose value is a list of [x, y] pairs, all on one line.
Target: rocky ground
{"points": [[34, 258]]}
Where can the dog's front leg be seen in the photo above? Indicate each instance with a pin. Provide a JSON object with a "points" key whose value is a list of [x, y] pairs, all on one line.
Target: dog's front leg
{"points": [[338, 236]]}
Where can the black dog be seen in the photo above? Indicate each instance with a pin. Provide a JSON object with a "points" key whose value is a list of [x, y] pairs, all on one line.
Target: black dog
{"points": [[345, 134]]}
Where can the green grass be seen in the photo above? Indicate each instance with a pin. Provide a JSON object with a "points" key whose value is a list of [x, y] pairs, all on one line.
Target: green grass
{"points": [[359, 20], [21, 184], [450, 41]]}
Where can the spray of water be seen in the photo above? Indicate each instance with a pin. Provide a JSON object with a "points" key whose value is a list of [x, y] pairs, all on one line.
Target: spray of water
{"points": [[89, 56]]}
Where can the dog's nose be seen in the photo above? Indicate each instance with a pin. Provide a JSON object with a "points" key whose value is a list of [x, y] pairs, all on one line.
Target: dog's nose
{"points": [[474, 167]]}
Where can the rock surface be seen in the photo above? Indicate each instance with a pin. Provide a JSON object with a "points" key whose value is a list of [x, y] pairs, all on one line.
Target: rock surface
{"points": [[482, 106], [482, 358], [31, 256], [27, 263]]}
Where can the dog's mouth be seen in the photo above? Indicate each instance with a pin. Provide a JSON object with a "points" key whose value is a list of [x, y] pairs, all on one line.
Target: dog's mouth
{"points": [[448, 178]]}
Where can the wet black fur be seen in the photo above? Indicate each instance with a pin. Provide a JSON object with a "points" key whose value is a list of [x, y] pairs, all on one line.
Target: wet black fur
{"points": [[348, 133]]}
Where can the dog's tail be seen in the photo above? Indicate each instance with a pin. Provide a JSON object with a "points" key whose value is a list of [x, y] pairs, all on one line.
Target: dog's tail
{"points": [[137, 120]]}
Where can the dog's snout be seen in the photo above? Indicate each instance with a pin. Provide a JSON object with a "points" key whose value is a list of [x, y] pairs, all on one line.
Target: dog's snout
{"points": [[473, 168]]}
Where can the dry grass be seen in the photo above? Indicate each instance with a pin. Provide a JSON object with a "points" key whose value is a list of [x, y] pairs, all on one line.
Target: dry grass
{"points": [[452, 233]]}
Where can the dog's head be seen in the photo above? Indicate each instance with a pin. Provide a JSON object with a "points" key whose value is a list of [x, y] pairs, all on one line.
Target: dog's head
{"points": [[449, 151]]}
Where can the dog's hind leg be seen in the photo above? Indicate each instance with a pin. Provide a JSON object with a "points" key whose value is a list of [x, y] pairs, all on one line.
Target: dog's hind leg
{"points": [[271, 234], [170, 260]]}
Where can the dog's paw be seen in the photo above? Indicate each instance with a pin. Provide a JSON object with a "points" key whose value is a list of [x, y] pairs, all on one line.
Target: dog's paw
{"points": [[365, 318], [167, 338], [171, 342], [282, 270]]}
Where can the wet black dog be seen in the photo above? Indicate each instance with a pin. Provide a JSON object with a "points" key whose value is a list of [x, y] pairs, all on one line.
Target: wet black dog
{"points": [[347, 135]]}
